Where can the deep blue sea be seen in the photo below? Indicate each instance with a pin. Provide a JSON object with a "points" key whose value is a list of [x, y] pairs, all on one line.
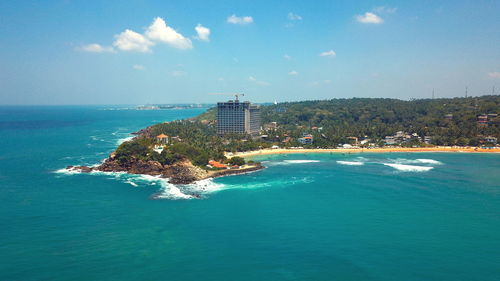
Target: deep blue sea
{"points": [[385, 216]]}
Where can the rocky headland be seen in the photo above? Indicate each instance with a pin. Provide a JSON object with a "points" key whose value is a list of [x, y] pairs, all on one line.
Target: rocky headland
{"points": [[182, 172]]}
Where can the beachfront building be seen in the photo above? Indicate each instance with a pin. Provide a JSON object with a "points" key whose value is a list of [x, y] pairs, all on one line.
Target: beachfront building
{"points": [[238, 117], [491, 140], [306, 139]]}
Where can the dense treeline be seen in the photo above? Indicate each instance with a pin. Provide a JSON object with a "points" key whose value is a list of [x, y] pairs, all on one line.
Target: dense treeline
{"points": [[377, 118]]}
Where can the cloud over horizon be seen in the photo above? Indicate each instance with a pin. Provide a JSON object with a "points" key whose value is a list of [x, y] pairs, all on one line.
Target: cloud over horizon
{"points": [[130, 40], [96, 48], [330, 54], [203, 33], [292, 16], [156, 32], [159, 31], [369, 18], [233, 19], [138, 67]]}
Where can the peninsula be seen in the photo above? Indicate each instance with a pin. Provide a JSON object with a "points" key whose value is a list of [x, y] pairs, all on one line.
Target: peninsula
{"points": [[219, 141]]}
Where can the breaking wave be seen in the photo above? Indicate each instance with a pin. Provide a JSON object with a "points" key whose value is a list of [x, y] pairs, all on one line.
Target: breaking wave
{"points": [[65, 171], [429, 161], [408, 168], [289, 162], [122, 140], [300, 161], [351, 163], [198, 189], [415, 161]]}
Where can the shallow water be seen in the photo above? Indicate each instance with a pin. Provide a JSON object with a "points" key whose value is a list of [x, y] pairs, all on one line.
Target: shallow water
{"points": [[392, 216]]}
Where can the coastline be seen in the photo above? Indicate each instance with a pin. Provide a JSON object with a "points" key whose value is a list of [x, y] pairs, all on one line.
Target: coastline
{"points": [[180, 173], [364, 150]]}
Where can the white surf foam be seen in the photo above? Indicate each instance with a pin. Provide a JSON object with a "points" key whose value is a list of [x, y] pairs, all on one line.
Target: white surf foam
{"points": [[429, 161], [122, 140], [415, 161], [300, 161], [351, 163], [171, 191], [167, 190], [408, 168], [132, 183], [289, 162], [188, 191], [65, 171]]}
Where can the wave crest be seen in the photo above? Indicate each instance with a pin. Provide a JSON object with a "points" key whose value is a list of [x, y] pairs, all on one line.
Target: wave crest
{"points": [[408, 168], [350, 163]]}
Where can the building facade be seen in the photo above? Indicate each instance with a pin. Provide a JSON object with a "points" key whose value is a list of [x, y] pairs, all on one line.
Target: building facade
{"points": [[238, 117], [306, 139]]}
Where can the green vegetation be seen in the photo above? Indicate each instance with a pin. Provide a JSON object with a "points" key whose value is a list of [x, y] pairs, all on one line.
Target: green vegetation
{"points": [[377, 118], [331, 122], [236, 160]]}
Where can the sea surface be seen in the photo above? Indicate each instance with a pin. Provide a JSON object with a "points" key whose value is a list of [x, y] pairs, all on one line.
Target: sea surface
{"points": [[380, 216]]}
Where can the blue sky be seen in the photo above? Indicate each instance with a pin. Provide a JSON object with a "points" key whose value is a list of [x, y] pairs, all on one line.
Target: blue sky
{"points": [[139, 52]]}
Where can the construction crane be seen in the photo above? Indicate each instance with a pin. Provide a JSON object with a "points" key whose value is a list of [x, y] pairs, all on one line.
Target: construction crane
{"points": [[236, 95]]}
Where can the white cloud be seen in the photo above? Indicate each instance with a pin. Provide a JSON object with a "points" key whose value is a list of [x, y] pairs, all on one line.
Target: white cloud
{"points": [[138, 67], [494, 75], [385, 10], [220, 79], [96, 48], [239, 20], [369, 17], [258, 82], [293, 72], [203, 33], [330, 54], [159, 31], [292, 16], [177, 73], [287, 57], [132, 41]]}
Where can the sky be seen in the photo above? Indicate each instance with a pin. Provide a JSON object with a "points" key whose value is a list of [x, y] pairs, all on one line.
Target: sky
{"points": [[149, 52]]}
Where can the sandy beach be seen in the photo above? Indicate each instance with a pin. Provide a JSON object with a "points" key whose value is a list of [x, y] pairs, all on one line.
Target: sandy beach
{"points": [[366, 150]]}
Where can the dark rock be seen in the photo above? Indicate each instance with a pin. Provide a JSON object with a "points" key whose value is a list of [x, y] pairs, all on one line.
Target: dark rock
{"points": [[82, 169]]}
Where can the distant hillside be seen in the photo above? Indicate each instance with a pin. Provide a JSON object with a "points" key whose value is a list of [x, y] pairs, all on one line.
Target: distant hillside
{"points": [[449, 121]]}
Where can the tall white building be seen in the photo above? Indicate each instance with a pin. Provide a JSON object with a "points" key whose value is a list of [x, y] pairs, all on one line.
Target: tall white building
{"points": [[238, 117]]}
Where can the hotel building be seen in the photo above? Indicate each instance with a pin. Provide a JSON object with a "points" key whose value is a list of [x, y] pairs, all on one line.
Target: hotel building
{"points": [[238, 117]]}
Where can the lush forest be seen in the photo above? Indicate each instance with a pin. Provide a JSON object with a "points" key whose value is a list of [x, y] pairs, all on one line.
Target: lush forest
{"points": [[448, 121], [331, 122]]}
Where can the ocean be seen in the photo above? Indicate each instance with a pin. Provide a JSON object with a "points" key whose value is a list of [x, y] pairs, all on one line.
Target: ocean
{"points": [[378, 216]]}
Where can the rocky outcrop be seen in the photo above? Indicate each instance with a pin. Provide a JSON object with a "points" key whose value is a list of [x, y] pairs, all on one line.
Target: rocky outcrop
{"points": [[183, 172], [81, 169]]}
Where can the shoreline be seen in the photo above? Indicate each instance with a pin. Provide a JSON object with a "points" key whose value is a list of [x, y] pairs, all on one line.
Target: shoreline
{"points": [[364, 150], [180, 173]]}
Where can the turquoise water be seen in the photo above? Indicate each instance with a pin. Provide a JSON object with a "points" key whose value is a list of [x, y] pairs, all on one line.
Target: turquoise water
{"points": [[401, 216]]}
